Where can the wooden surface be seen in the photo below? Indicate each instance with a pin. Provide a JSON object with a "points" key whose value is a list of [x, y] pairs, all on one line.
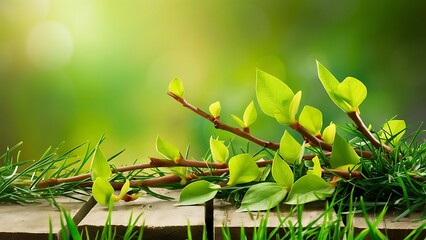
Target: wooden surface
{"points": [[393, 229], [162, 219], [31, 221], [225, 215]]}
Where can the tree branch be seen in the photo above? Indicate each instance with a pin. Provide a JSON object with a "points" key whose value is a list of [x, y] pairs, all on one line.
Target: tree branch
{"points": [[219, 125]]}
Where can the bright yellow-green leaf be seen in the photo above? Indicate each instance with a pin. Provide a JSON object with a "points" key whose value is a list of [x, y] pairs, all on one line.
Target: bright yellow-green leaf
{"points": [[392, 131], [317, 167], [198, 192], [123, 191], [309, 188], [215, 109], [262, 196], [331, 84], [167, 149], [242, 169], [220, 152], [352, 91], [294, 106], [342, 153], [176, 87], [239, 121], [102, 191], [274, 97], [329, 133], [99, 166], [281, 172], [250, 114], [290, 148], [311, 119]]}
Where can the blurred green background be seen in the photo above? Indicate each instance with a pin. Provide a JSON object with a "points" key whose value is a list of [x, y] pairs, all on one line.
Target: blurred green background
{"points": [[71, 70]]}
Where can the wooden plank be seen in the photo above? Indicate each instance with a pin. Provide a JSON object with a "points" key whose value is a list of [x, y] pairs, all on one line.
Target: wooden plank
{"points": [[31, 221], [393, 229], [225, 215], [162, 219]]}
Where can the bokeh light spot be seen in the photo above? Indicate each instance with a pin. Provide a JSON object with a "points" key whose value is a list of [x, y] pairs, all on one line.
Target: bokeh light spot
{"points": [[49, 45]]}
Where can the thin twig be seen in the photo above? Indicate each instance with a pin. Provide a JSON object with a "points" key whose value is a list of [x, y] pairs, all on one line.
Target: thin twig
{"points": [[219, 125], [364, 130]]}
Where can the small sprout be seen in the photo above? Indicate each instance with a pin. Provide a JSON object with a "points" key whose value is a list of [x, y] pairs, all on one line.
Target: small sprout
{"points": [[249, 116], [176, 87], [215, 109], [317, 167], [290, 149], [168, 150], [242, 169], [392, 131], [220, 152], [347, 95], [311, 119], [274, 97], [99, 166], [329, 133]]}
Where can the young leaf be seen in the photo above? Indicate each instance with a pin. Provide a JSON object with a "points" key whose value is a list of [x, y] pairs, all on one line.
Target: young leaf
{"points": [[242, 169], [309, 188], [393, 131], [343, 155], [317, 167], [250, 114], [331, 84], [311, 119], [198, 192], [123, 191], [274, 97], [263, 196], [281, 172], [102, 191], [352, 91], [329, 133], [294, 106], [214, 109], [290, 148], [99, 166], [220, 152], [176, 87], [239, 121], [167, 149]]}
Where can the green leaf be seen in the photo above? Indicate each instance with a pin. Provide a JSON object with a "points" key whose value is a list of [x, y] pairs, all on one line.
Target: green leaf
{"points": [[309, 188], [102, 191], [250, 114], [262, 196], [317, 167], [242, 169], [294, 106], [274, 97], [281, 172], [99, 166], [342, 154], [239, 121], [215, 109], [198, 192], [289, 148], [393, 130], [176, 87], [330, 84], [123, 191], [167, 149], [220, 152], [329, 133], [311, 119], [352, 91]]}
